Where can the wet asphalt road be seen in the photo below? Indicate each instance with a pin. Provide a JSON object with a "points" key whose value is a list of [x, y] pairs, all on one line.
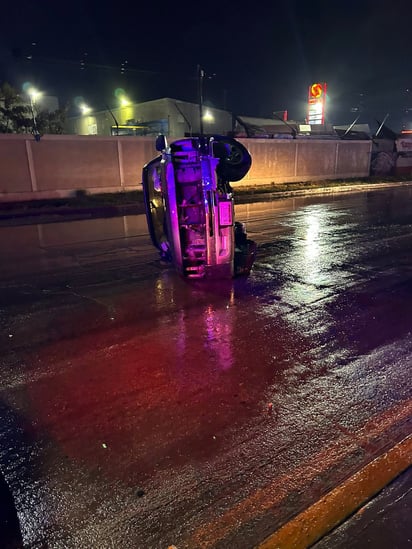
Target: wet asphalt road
{"points": [[381, 524], [139, 410]]}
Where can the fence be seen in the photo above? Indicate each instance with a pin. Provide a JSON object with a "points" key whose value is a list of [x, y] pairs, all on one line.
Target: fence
{"points": [[58, 165]]}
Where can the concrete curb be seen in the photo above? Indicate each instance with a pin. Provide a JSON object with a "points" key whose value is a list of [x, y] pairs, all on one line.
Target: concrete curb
{"points": [[323, 516]]}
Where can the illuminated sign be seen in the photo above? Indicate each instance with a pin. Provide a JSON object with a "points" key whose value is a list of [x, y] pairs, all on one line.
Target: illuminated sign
{"points": [[316, 90], [316, 103]]}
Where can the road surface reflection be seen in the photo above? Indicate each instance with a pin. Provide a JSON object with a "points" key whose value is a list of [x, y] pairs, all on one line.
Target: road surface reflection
{"points": [[141, 409]]}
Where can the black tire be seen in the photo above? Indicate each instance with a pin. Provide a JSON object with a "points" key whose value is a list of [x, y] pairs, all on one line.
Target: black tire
{"points": [[235, 160]]}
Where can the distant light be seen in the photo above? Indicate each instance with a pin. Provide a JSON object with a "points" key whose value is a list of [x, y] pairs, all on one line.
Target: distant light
{"points": [[316, 90], [317, 97], [121, 96], [208, 116], [123, 67], [33, 94], [85, 109]]}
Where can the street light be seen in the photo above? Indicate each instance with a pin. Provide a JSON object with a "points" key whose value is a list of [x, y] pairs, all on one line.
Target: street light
{"points": [[124, 102], [33, 96], [125, 110], [122, 98], [85, 109], [208, 116]]}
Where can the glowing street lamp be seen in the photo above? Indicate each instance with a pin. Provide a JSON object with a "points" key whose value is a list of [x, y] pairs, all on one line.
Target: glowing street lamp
{"points": [[121, 97], [125, 107], [85, 109], [208, 116], [124, 102], [34, 96]]}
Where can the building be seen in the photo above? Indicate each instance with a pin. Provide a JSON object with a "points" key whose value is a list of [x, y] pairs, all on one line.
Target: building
{"points": [[175, 118], [171, 117]]}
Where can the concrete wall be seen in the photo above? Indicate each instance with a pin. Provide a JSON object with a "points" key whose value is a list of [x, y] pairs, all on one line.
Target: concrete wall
{"points": [[58, 165], [279, 161]]}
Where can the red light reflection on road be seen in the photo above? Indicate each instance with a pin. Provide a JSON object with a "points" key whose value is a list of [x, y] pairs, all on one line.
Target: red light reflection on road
{"points": [[130, 400]]}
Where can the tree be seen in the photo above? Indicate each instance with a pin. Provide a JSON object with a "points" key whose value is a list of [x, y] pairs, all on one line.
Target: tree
{"points": [[16, 116], [13, 114], [52, 121]]}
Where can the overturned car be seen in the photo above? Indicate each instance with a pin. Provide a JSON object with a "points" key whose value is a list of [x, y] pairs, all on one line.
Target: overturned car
{"points": [[190, 206]]}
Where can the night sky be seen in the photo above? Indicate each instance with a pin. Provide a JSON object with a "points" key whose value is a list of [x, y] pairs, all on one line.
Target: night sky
{"points": [[258, 59]]}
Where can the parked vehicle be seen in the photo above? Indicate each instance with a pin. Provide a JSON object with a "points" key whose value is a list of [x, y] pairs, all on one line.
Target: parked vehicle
{"points": [[190, 206]]}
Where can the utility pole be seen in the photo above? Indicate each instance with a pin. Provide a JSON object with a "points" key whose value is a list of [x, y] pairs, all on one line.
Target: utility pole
{"points": [[200, 77], [33, 94], [114, 118]]}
